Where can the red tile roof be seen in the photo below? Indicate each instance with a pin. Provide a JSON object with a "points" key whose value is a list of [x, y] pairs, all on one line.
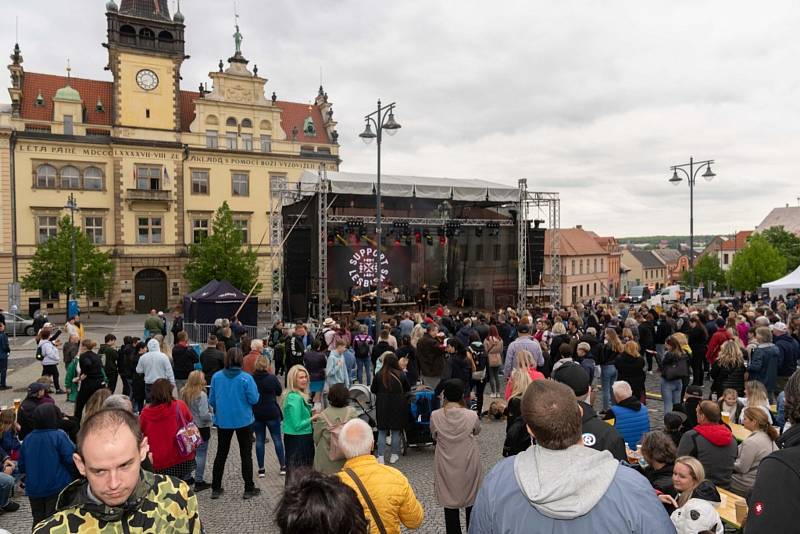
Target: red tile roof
{"points": [[738, 243], [294, 113], [48, 84], [574, 242]]}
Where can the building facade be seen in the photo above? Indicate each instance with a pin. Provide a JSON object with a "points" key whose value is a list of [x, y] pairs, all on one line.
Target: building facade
{"points": [[645, 269], [730, 247], [584, 265], [149, 162]]}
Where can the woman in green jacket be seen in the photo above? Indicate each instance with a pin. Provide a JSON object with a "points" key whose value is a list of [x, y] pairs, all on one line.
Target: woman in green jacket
{"points": [[298, 437], [335, 415]]}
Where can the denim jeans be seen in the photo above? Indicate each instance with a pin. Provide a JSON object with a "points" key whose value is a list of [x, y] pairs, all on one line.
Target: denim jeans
{"points": [[201, 454], [382, 442], [608, 375], [671, 393], [3, 370], [494, 379], [364, 363], [260, 429], [6, 487]]}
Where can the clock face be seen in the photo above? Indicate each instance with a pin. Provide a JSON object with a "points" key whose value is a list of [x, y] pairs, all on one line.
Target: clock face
{"points": [[147, 79]]}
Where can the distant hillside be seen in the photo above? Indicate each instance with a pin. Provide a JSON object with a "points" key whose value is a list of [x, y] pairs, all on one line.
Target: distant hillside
{"points": [[672, 240]]}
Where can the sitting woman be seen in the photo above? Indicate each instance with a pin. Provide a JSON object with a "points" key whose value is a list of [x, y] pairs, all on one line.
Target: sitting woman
{"points": [[160, 421], [755, 396], [689, 481], [730, 404], [658, 450], [335, 415], [754, 448]]}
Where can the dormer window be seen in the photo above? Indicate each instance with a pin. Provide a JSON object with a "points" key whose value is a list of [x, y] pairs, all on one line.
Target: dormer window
{"points": [[308, 127], [99, 106], [39, 99]]}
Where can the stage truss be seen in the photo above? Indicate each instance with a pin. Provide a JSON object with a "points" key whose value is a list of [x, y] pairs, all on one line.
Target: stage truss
{"points": [[530, 203]]}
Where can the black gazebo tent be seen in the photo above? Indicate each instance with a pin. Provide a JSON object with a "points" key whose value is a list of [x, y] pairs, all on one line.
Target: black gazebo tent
{"points": [[218, 299]]}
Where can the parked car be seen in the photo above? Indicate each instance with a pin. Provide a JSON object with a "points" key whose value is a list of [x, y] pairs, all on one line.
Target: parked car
{"points": [[639, 294], [19, 324]]}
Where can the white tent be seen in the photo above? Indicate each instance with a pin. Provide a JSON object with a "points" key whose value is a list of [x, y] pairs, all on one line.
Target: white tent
{"points": [[782, 286]]}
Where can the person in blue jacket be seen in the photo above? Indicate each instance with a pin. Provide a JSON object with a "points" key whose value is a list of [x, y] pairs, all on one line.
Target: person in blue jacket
{"points": [[558, 485], [631, 418], [233, 395], [46, 460]]}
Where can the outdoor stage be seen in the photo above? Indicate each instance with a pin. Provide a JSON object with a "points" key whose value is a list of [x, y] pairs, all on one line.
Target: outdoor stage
{"points": [[442, 240]]}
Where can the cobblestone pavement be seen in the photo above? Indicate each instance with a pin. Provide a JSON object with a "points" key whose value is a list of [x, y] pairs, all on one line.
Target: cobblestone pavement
{"points": [[231, 513]]}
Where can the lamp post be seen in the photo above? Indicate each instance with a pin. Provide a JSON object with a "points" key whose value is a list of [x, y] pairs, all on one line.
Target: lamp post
{"points": [[691, 170], [383, 119], [72, 206]]}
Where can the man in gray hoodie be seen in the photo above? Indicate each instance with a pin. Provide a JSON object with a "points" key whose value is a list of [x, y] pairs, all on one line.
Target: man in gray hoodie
{"points": [[558, 485], [154, 364]]}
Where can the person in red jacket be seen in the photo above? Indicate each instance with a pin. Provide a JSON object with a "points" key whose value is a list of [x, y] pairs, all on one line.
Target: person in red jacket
{"points": [[160, 421], [715, 343]]}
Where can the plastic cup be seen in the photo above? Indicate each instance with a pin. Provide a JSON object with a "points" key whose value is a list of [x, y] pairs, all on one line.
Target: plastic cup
{"points": [[726, 418], [17, 403], [741, 511]]}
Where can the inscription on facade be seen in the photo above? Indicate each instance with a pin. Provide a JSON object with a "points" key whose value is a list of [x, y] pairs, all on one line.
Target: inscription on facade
{"points": [[254, 162], [89, 151]]}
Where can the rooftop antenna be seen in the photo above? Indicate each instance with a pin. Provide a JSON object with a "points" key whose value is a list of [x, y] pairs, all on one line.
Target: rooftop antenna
{"points": [[69, 70], [320, 75], [16, 28]]}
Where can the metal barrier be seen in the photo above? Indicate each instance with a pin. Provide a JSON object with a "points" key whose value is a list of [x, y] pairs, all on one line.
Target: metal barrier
{"points": [[198, 333]]}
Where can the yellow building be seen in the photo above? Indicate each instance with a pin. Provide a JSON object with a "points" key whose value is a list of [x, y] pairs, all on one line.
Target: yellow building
{"points": [[148, 162]]}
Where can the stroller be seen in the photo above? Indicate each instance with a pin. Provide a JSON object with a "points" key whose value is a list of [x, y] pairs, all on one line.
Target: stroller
{"points": [[421, 403], [362, 399]]}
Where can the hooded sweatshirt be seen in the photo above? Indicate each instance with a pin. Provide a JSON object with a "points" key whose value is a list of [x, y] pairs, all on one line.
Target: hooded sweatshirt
{"points": [[714, 446], [46, 455], [154, 364], [160, 423], [577, 490]]}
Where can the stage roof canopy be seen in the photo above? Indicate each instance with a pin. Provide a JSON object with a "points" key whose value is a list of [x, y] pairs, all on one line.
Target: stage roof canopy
{"points": [[469, 190]]}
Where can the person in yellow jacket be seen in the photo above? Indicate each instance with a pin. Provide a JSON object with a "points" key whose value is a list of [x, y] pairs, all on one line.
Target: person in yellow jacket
{"points": [[379, 487]]}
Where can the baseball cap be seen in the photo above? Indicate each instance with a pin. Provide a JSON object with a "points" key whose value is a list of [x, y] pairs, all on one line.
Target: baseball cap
{"points": [[781, 327], [697, 515], [694, 391], [573, 375], [36, 387]]}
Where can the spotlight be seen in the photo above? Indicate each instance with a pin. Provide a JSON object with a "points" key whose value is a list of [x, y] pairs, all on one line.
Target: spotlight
{"points": [[331, 239], [478, 231], [494, 229], [418, 235], [442, 240], [428, 237]]}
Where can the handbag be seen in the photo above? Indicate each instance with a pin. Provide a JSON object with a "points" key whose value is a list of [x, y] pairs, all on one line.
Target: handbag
{"points": [[479, 375], [335, 452], [188, 435], [678, 370], [371, 505]]}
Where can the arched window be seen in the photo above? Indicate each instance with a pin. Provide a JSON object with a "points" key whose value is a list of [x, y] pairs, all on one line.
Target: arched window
{"points": [[45, 176], [93, 179], [127, 34], [165, 36], [70, 177], [230, 122], [147, 34], [247, 123], [265, 126], [211, 120]]}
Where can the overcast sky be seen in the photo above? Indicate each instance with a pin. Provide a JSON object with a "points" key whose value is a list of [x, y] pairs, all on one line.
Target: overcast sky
{"points": [[592, 99]]}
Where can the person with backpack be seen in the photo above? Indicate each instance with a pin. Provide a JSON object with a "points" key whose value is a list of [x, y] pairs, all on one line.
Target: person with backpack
{"points": [[481, 360], [328, 456], [362, 346], [47, 353]]}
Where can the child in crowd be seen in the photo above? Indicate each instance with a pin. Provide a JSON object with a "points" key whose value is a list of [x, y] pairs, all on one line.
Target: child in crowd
{"points": [[731, 405], [673, 421], [9, 427]]}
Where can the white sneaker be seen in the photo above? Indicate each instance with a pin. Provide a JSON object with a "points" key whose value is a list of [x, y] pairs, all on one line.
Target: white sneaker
{"points": [[381, 460], [393, 459]]}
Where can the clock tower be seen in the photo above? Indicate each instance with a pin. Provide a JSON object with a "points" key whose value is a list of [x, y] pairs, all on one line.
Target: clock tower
{"points": [[145, 53]]}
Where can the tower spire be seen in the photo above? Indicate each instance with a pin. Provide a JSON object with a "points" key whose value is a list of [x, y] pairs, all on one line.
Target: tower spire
{"points": [[69, 71]]}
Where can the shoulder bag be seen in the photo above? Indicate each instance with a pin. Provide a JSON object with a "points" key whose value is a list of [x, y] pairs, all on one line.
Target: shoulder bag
{"points": [[334, 429], [371, 505], [188, 435]]}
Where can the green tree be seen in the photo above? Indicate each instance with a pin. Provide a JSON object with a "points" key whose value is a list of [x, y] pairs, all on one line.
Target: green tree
{"points": [[787, 244], [221, 256], [755, 264], [706, 269], [51, 267]]}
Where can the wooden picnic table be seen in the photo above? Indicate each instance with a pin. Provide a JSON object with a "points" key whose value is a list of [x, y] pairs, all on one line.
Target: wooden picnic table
{"points": [[739, 432], [727, 510]]}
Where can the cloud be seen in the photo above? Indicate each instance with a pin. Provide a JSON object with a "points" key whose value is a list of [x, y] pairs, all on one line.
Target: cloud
{"points": [[592, 99]]}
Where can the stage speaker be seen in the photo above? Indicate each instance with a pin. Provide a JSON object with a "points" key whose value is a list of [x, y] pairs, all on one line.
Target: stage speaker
{"points": [[535, 259]]}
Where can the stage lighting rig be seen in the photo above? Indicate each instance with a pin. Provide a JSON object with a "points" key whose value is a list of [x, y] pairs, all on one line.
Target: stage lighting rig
{"points": [[494, 229]]}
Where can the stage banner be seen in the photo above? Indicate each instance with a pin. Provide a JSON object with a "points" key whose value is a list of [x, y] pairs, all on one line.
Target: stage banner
{"points": [[357, 266]]}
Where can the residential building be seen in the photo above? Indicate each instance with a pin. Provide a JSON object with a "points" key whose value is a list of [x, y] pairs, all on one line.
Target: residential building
{"points": [[148, 161], [788, 217], [611, 245], [584, 265], [645, 269], [675, 263], [730, 247]]}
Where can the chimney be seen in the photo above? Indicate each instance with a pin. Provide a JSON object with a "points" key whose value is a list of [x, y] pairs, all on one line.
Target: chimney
{"points": [[579, 226]]}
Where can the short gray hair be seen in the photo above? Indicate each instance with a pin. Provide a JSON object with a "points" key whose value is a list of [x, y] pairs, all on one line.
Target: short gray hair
{"points": [[256, 345], [622, 388], [118, 402], [356, 438]]}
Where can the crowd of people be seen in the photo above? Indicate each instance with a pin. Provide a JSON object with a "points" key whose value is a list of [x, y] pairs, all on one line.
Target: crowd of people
{"points": [[134, 450]]}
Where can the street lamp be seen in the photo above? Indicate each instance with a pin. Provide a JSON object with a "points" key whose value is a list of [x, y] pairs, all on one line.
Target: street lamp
{"points": [[72, 206], [691, 175], [383, 119]]}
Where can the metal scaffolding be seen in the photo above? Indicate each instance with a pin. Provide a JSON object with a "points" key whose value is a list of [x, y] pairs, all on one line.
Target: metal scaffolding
{"points": [[528, 202], [322, 245], [277, 192]]}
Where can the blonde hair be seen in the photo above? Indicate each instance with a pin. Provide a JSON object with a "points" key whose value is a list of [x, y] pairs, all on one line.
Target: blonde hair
{"points": [[95, 402], [559, 328], [520, 380], [291, 380], [632, 348], [262, 364], [524, 360], [614, 341], [760, 418], [756, 394], [698, 474], [416, 334], [195, 385], [730, 355]]}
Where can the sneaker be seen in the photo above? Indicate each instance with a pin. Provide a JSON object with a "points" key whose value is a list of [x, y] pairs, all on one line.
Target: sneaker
{"points": [[381, 460], [216, 493], [262, 473], [251, 493], [4, 388], [10, 506], [61, 391], [393, 459], [283, 471], [200, 486]]}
